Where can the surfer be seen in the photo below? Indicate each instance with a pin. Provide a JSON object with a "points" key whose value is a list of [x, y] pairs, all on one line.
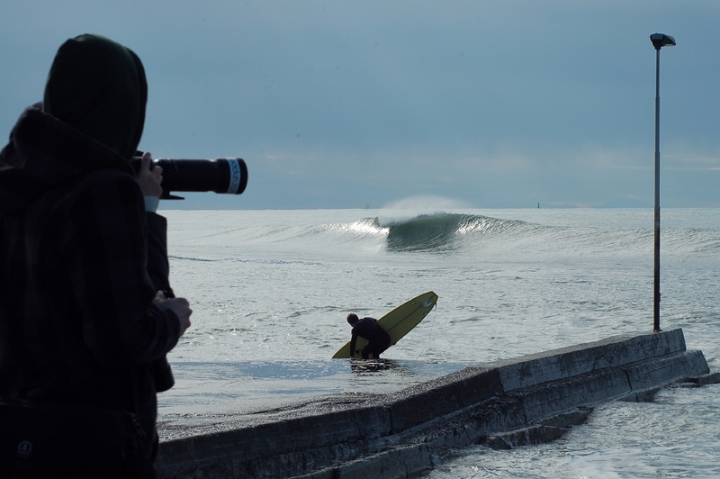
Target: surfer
{"points": [[367, 328]]}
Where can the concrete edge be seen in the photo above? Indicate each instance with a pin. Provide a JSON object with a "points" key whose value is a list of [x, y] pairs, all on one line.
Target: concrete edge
{"points": [[456, 410]]}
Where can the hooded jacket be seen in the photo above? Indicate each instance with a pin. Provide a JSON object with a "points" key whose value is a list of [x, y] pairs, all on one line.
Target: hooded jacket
{"points": [[77, 321]]}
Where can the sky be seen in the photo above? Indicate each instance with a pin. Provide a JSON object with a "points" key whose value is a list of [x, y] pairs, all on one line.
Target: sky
{"points": [[371, 104]]}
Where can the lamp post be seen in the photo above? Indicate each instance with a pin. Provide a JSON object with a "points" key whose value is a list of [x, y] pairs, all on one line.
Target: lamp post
{"points": [[658, 40]]}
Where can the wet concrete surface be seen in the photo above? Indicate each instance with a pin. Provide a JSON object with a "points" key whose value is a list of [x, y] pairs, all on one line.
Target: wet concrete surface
{"points": [[399, 433]]}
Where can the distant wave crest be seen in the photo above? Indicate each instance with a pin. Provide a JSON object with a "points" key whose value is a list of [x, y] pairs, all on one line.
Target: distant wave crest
{"points": [[427, 233], [366, 227], [441, 231]]}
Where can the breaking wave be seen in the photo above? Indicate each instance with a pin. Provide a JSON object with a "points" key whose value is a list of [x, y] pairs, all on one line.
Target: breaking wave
{"points": [[448, 232], [441, 233]]}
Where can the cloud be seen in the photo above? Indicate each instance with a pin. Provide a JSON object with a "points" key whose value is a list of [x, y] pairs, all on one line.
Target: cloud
{"points": [[348, 104]]}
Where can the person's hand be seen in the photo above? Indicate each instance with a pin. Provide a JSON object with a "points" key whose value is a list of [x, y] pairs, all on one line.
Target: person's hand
{"points": [[150, 180], [179, 306]]}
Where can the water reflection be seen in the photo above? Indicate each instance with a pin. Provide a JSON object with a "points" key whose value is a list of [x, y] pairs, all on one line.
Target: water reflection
{"points": [[371, 366], [204, 387]]}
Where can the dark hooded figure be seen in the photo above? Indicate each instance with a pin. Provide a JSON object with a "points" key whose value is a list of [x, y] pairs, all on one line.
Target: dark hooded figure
{"points": [[81, 320]]}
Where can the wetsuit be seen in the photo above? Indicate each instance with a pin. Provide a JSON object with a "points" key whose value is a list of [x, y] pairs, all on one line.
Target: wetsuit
{"points": [[378, 340]]}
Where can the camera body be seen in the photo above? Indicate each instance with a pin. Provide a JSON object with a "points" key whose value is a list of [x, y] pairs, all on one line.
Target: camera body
{"points": [[221, 175]]}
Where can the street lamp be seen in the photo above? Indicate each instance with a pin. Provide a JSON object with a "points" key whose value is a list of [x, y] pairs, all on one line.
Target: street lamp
{"points": [[658, 40]]}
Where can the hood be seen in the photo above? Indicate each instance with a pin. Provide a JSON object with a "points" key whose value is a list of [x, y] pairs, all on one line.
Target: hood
{"points": [[98, 87], [91, 117]]}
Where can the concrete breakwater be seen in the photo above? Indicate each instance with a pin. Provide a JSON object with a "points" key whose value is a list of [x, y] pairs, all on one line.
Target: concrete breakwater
{"points": [[504, 403]]}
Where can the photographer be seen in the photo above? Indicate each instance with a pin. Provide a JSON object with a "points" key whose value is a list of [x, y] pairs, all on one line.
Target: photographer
{"points": [[82, 323]]}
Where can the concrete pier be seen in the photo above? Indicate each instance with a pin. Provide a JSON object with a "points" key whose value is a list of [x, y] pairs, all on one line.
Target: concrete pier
{"points": [[501, 404]]}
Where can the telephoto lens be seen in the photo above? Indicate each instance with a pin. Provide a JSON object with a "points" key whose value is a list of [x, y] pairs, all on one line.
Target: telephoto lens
{"points": [[221, 175]]}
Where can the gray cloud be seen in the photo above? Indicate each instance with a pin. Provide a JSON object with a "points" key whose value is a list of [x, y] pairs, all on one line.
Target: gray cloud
{"points": [[348, 104]]}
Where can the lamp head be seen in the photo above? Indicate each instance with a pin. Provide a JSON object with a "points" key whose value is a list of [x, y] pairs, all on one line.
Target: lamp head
{"points": [[660, 40]]}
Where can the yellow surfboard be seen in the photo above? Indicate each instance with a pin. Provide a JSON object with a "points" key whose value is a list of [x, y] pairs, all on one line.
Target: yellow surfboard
{"points": [[397, 322]]}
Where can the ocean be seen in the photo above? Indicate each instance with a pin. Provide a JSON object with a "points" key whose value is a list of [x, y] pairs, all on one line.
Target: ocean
{"points": [[270, 291]]}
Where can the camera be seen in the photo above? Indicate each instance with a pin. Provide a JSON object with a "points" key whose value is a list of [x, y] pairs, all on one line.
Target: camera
{"points": [[221, 175]]}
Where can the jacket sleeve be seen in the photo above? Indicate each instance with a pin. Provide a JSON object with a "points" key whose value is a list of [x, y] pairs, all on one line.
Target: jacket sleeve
{"points": [[158, 264], [104, 246], [159, 271]]}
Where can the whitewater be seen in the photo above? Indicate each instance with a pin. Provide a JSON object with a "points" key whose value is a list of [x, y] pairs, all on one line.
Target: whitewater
{"points": [[270, 291]]}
